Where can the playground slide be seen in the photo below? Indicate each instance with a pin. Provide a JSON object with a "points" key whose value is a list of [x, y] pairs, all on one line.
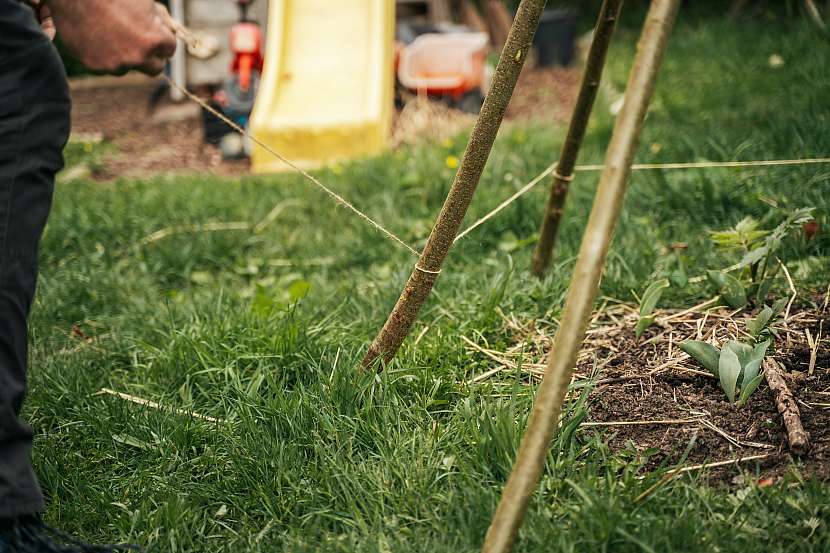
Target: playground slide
{"points": [[327, 85]]}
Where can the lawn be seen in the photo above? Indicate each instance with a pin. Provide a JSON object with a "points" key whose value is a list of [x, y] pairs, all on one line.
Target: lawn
{"points": [[264, 328]]}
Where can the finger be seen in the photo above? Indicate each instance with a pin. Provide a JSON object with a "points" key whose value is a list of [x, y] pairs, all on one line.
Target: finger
{"points": [[167, 44], [46, 21], [166, 47], [48, 27], [153, 66]]}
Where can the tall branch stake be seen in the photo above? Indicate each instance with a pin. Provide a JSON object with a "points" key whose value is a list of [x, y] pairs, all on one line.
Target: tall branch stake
{"points": [[420, 282], [604, 30], [585, 283]]}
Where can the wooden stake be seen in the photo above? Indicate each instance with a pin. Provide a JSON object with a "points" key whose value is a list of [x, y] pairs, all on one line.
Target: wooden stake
{"points": [[471, 18], [814, 14], [583, 290], [426, 271], [562, 176], [439, 11], [498, 21]]}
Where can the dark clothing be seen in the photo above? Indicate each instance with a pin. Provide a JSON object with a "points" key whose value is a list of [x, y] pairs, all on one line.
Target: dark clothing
{"points": [[34, 127]]}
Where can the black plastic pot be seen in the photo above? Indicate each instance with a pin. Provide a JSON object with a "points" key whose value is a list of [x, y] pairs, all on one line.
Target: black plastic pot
{"points": [[555, 39]]}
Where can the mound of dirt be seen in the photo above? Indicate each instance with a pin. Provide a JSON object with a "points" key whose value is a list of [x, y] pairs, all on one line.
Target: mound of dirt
{"points": [[651, 397]]}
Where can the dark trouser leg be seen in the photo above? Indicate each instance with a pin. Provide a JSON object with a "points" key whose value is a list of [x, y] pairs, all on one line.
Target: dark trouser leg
{"points": [[34, 126]]}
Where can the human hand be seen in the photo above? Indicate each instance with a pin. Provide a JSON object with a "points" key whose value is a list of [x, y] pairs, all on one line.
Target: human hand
{"points": [[114, 36], [44, 17]]}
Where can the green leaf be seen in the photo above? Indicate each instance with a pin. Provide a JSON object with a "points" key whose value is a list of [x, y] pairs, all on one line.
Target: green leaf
{"points": [[747, 389], [263, 302], [651, 296], [747, 224], [729, 367], [757, 325], [754, 256], [716, 278], [704, 353], [778, 307], [734, 292], [730, 289], [642, 324], [792, 222], [200, 277], [764, 287], [752, 366], [679, 277], [744, 235], [742, 350]]}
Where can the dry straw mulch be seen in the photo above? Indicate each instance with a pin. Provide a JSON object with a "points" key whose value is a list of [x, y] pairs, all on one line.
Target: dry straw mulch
{"points": [[650, 396]]}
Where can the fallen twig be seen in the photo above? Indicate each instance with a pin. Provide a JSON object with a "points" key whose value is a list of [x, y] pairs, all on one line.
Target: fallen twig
{"points": [[813, 343], [691, 468], [642, 423], [275, 212], [734, 441], [785, 402], [489, 353], [154, 405], [682, 470], [792, 289], [205, 227]]}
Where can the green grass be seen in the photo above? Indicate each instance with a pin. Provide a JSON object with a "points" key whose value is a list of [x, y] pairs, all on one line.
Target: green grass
{"points": [[316, 456]]}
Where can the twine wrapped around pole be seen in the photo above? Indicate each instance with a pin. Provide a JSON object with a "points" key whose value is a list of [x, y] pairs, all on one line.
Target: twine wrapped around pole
{"points": [[420, 282], [585, 283]]}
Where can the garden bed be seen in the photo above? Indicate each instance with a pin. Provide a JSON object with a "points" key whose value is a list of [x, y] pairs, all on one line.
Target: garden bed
{"points": [[651, 397]]}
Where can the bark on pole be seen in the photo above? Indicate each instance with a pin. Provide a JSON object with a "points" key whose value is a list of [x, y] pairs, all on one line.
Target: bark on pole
{"points": [[604, 30], [584, 285], [426, 271]]}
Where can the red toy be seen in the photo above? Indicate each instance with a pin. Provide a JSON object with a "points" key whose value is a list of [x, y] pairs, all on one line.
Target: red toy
{"points": [[237, 96], [246, 47]]}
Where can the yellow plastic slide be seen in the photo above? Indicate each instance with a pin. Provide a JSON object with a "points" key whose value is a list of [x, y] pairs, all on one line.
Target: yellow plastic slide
{"points": [[326, 90]]}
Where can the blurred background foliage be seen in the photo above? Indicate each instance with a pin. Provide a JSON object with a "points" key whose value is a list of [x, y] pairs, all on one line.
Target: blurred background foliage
{"points": [[777, 12]]}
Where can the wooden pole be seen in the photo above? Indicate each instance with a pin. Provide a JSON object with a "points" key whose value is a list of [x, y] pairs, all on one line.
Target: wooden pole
{"points": [[498, 21], [439, 11], [426, 271], [583, 290], [604, 30]]}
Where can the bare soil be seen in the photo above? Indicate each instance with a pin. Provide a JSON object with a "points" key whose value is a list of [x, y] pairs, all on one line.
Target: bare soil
{"points": [[118, 112], [645, 386], [682, 395]]}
